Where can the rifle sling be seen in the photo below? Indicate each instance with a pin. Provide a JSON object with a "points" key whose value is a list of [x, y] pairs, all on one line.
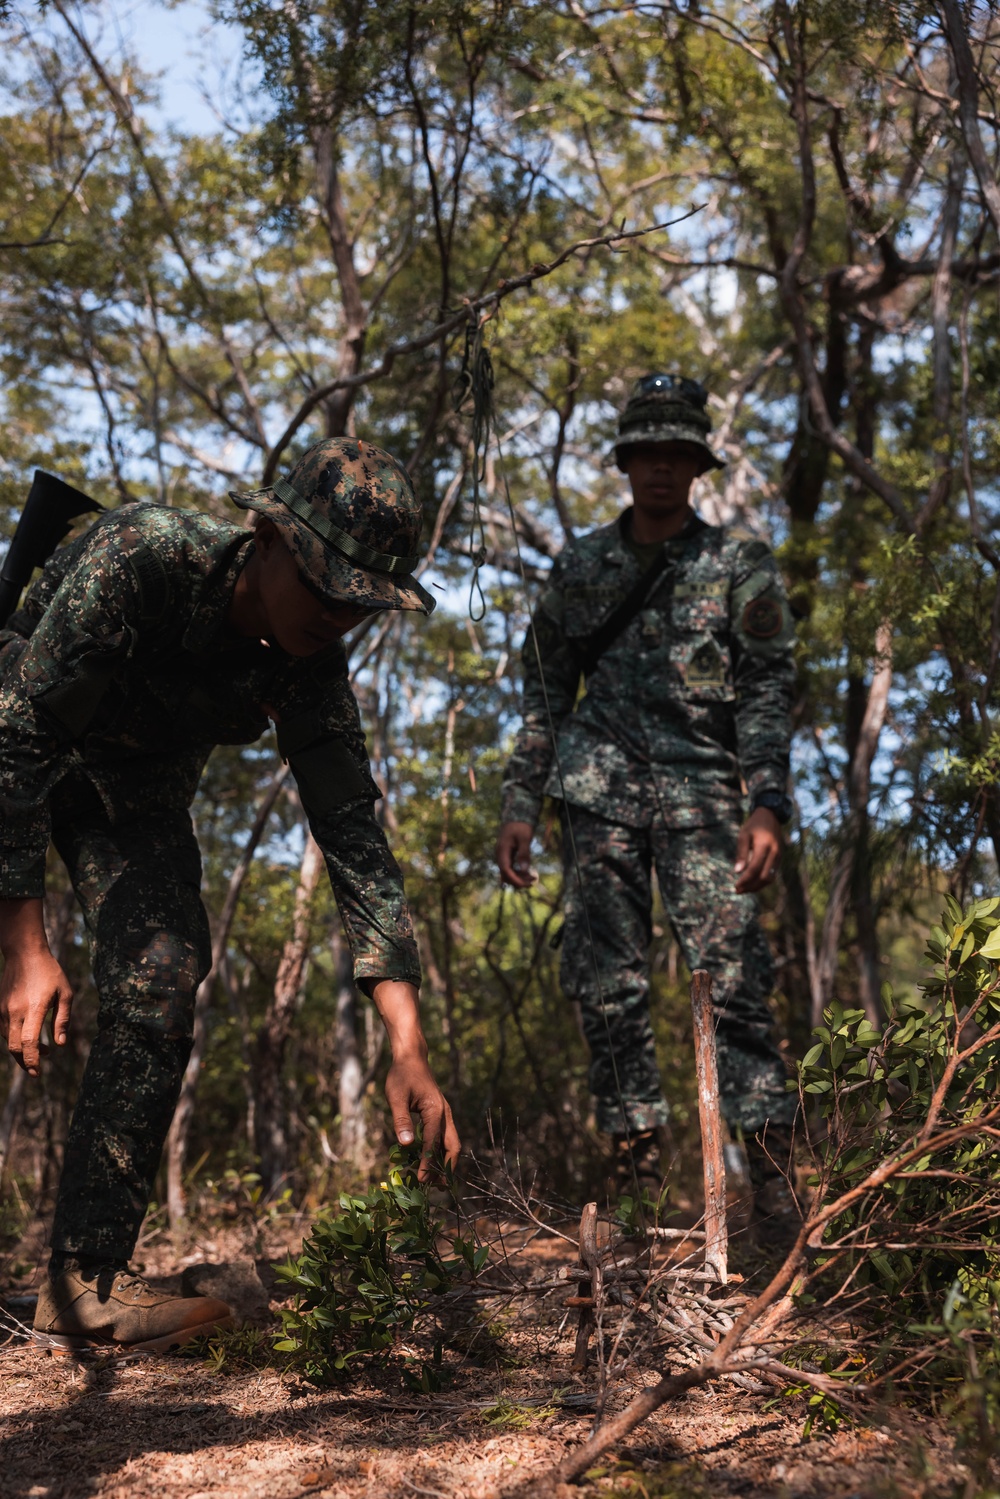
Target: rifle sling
{"points": [[620, 618]]}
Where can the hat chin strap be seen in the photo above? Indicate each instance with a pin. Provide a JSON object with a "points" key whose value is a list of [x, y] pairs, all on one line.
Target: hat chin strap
{"points": [[341, 541]]}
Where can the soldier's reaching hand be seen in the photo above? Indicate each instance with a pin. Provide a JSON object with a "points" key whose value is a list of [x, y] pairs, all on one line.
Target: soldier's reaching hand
{"points": [[32, 983]]}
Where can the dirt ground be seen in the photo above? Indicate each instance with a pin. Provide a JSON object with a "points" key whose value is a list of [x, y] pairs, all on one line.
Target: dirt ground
{"points": [[177, 1426]]}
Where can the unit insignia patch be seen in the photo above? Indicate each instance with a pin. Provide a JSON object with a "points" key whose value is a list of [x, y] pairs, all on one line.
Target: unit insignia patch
{"points": [[762, 619]]}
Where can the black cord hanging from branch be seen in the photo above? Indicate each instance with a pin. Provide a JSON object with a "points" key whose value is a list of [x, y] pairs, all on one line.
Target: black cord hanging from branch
{"points": [[475, 379]]}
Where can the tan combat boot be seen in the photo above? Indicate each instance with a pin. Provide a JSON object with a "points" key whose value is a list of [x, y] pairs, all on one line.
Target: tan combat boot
{"points": [[116, 1309]]}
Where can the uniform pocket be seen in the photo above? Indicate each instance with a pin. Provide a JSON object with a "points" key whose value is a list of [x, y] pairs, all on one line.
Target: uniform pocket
{"points": [[700, 606], [73, 699]]}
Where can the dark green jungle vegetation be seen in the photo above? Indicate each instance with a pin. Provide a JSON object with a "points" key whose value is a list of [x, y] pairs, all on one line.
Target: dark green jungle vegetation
{"points": [[185, 313]]}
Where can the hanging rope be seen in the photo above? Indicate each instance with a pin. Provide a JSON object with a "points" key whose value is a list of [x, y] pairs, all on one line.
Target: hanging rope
{"points": [[475, 379]]}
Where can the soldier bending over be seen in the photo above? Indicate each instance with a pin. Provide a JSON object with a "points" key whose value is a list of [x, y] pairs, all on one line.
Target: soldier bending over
{"points": [[157, 635], [688, 694]]}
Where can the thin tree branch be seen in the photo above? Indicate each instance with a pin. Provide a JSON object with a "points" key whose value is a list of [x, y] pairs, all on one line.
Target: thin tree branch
{"points": [[486, 303]]}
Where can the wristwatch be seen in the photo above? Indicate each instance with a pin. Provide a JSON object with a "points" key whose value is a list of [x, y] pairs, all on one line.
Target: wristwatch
{"points": [[776, 802]]}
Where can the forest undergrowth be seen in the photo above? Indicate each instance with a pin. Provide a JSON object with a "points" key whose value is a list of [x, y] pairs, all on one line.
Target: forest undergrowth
{"points": [[876, 1318]]}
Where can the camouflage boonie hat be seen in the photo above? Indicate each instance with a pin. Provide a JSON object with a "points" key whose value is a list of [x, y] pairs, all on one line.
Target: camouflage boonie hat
{"points": [[666, 408], [348, 515]]}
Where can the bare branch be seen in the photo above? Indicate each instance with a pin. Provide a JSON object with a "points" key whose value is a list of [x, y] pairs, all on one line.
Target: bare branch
{"points": [[486, 303]]}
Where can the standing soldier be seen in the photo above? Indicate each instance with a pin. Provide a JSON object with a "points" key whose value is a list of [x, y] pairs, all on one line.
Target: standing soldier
{"points": [[682, 635], [146, 642]]}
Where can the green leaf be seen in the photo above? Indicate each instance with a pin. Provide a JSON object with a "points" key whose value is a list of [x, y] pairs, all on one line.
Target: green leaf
{"points": [[991, 947]]}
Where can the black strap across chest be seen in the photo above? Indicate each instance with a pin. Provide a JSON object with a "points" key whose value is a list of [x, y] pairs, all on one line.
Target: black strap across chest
{"points": [[624, 613], [621, 617]]}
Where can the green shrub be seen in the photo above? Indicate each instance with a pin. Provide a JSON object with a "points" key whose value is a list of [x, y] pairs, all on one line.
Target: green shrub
{"points": [[919, 1252], [366, 1273]]}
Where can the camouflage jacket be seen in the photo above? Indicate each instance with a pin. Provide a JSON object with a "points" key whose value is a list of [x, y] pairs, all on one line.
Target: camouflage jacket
{"points": [[132, 674], [690, 701]]}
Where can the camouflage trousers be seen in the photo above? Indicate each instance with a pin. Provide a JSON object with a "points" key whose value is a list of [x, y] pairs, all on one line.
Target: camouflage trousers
{"points": [[605, 956], [138, 883]]}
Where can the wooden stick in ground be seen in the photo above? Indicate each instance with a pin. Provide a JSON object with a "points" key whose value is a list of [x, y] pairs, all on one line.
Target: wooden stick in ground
{"points": [[590, 1288], [706, 1067]]}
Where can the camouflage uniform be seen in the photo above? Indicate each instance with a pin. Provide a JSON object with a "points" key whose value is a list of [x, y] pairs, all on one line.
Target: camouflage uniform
{"points": [[130, 677], [690, 700]]}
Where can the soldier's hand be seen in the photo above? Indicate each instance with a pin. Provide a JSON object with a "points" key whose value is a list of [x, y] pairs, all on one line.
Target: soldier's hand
{"points": [[32, 984], [758, 850], [410, 1089], [410, 1086], [513, 855]]}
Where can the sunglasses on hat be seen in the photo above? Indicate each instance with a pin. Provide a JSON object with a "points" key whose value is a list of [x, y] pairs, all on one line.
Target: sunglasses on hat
{"points": [[691, 391]]}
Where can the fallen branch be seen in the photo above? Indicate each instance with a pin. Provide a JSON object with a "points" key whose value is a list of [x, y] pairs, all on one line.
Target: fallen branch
{"points": [[760, 1316]]}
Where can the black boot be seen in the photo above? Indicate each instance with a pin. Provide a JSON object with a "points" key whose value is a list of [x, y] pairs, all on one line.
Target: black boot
{"points": [[637, 1168]]}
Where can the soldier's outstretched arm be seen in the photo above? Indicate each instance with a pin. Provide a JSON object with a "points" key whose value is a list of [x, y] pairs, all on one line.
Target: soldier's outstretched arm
{"points": [[32, 984], [551, 667], [410, 1087], [764, 637], [325, 747]]}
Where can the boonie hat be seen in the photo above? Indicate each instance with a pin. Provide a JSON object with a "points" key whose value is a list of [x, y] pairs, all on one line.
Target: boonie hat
{"points": [[348, 515], [666, 408]]}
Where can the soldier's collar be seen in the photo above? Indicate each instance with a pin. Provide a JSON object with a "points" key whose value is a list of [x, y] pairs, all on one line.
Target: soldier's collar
{"points": [[208, 618], [618, 553]]}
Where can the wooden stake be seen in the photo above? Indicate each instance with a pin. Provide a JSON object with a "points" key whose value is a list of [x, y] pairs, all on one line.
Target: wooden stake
{"points": [[589, 1288], [706, 1066]]}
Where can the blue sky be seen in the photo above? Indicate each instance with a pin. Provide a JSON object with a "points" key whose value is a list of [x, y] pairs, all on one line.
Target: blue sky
{"points": [[190, 53]]}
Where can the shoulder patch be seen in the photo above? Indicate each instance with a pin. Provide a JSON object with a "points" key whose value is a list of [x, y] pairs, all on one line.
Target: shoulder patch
{"points": [[762, 619]]}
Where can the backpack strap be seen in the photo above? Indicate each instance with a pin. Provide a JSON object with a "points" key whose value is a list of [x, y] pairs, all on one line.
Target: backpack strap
{"points": [[621, 617], [635, 600]]}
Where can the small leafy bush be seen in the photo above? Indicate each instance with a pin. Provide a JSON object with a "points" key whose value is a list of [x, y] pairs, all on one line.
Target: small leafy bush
{"points": [[936, 1060], [366, 1273], [920, 1247]]}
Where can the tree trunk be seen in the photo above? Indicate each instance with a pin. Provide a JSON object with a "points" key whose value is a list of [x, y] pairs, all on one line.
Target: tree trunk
{"points": [[177, 1139], [339, 407], [858, 791], [237, 988], [11, 1115], [289, 986], [352, 1081], [968, 106]]}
